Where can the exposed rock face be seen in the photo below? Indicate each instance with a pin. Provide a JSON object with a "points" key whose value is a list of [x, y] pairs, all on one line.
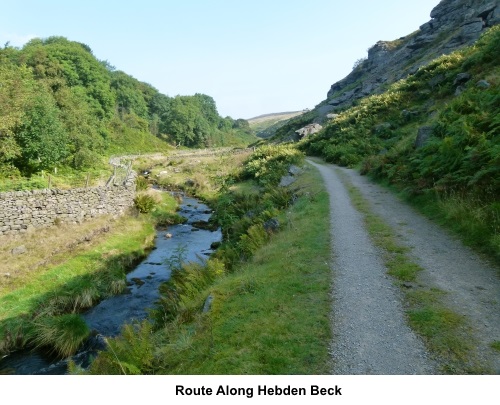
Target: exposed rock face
{"points": [[453, 24], [308, 130]]}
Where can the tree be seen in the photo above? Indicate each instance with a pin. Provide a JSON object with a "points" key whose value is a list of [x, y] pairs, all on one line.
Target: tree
{"points": [[60, 62], [41, 135], [128, 95], [17, 87]]}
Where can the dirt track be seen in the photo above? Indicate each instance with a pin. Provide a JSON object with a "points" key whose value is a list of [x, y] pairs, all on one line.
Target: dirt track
{"points": [[370, 332]]}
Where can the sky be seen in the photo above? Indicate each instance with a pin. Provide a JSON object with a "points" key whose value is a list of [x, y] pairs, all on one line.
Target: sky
{"points": [[252, 56]]}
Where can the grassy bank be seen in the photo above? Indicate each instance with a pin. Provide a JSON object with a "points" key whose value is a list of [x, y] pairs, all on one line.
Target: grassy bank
{"points": [[271, 316], [269, 290], [446, 333], [40, 308]]}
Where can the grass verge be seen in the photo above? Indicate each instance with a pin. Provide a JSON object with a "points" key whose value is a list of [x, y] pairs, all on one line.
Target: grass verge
{"points": [[476, 223], [446, 333], [272, 315]]}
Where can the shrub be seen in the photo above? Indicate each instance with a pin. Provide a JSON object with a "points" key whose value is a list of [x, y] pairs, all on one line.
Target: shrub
{"points": [[141, 183], [255, 237], [85, 158], [269, 163], [146, 202]]}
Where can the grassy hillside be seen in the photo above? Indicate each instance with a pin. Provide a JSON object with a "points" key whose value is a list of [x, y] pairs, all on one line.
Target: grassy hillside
{"points": [[265, 125], [434, 135]]}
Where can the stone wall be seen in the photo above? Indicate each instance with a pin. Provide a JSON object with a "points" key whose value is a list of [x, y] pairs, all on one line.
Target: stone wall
{"points": [[21, 211]]}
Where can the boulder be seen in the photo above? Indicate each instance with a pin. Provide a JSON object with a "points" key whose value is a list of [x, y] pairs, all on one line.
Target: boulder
{"points": [[19, 250], [294, 170], [272, 225], [438, 79], [208, 303], [215, 245], [459, 90], [286, 181], [423, 135], [408, 115], [483, 84], [308, 130], [462, 78], [383, 127]]}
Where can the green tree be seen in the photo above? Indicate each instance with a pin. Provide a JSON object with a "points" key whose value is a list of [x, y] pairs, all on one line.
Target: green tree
{"points": [[129, 98], [41, 135], [16, 88], [60, 62]]}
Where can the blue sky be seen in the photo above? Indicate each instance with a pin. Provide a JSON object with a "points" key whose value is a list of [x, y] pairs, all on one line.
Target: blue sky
{"points": [[253, 57]]}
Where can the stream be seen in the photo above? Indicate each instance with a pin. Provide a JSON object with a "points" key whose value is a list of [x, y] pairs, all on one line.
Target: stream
{"points": [[107, 318]]}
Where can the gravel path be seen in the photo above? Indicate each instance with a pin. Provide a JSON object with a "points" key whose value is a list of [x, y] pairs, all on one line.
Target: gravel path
{"points": [[367, 307], [471, 283], [370, 332]]}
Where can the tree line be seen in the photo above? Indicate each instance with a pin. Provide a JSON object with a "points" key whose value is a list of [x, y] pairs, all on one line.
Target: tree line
{"points": [[61, 106]]}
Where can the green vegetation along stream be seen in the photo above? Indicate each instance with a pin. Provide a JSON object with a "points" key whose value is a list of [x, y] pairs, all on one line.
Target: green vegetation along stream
{"points": [[107, 318]]}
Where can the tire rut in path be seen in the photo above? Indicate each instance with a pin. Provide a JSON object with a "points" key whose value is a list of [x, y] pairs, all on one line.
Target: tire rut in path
{"points": [[370, 334]]}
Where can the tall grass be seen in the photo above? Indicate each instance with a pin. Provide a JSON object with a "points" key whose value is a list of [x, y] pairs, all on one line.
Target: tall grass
{"points": [[63, 334]]}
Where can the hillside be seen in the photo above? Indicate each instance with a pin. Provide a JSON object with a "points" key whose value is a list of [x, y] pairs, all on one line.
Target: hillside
{"points": [[391, 294], [454, 24], [61, 107], [265, 125], [421, 113], [435, 136]]}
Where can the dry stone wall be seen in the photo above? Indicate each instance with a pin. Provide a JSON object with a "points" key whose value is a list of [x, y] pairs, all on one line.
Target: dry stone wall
{"points": [[21, 211]]}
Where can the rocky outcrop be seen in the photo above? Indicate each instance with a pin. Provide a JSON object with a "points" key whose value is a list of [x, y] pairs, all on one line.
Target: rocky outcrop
{"points": [[453, 24], [308, 130]]}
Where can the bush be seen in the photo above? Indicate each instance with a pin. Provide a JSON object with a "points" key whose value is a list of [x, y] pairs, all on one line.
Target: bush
{"points": [[255, 237], [141, 183], [269, 163], [85, 158], [146, 202]]}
